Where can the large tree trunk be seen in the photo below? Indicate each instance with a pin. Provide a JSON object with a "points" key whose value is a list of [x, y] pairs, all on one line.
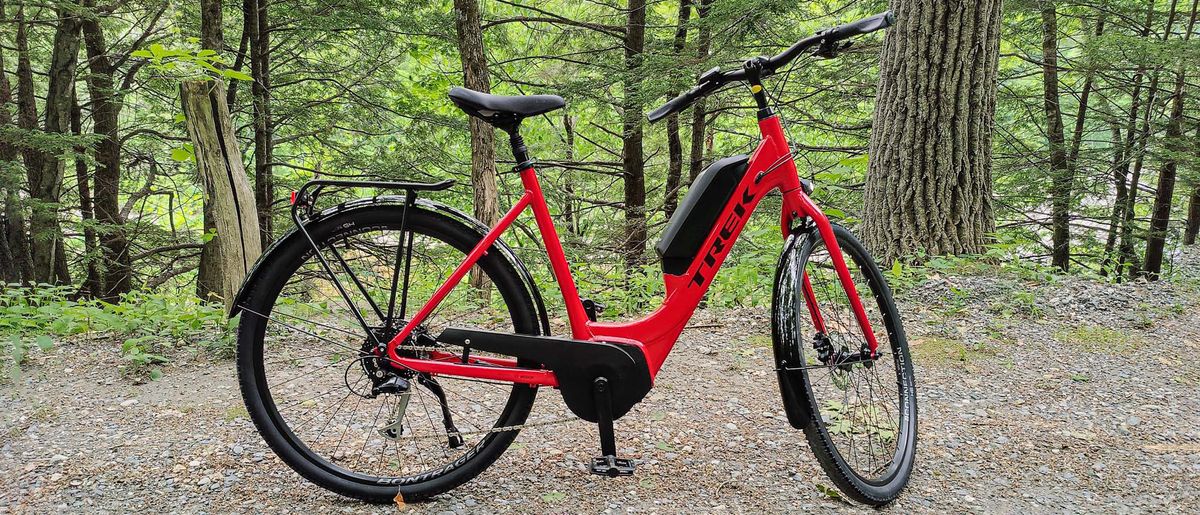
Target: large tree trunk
{"points": [[264, 130], [1160, 214], [45, 182], [92, 283], [699, 109], [106, 108], [1060, 190], [674, 144], [237, 243], [208, 272], [929, 184], [467, 22], [631, 135]]}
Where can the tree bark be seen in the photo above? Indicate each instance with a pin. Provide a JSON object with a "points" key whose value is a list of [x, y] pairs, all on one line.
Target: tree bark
{"points": [[106, 109], [237, 243], [264, 130], [1060, 190], [1160, 213], [45, 182], [674, 144], [467, 24], [212, 34], [1126, 259], [699, 109], [14, 247], [633, 162], [1193, 218], [569, 212], [1119, 170], [929, 185], [92, 283]]}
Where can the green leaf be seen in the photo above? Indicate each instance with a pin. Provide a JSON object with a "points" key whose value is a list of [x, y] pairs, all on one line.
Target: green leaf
{"points": [[181, 154], [553, 497], [236, 75], [144, 54], [44, 342], [179, 118], [156, 374]]}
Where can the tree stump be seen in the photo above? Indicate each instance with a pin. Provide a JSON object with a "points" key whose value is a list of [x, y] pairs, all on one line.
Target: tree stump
{"points": [[227, 192]]}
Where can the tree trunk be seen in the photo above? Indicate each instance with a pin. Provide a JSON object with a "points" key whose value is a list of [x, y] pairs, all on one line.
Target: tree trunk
{"points": [[699, 109], [106, 109], [929, 184], [1119, 169], [631, 135], [569, 212], [92, 284], [45, 182], [16, 266], [212, 35], [264, 130], [1193, 218], [1060, 190], [1160, 214], [237, 243], [467, 22], [1126, 258], [674, 145]]}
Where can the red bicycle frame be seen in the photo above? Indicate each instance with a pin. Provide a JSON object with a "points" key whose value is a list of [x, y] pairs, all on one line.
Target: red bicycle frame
{"points": [[771, 167]]}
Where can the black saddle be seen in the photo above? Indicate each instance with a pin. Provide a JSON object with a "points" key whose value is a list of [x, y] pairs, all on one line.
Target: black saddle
{"points": [[504, 111]]}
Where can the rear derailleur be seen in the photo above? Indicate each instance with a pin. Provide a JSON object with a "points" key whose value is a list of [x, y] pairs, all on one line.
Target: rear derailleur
{"points": [[389, 379]]}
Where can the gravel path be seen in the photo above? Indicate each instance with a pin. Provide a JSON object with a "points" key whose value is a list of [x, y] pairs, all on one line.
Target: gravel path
{"points": [[1034, 397]]}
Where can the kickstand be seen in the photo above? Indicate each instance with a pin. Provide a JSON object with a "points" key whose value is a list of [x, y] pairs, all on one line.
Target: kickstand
{"points": [[608, 464]]}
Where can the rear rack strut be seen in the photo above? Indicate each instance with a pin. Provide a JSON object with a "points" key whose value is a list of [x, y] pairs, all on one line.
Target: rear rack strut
{"points": [[306, 200]]}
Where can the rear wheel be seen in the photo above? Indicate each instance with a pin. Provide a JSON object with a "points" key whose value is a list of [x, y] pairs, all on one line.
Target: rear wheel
{"points": [[311, 376], [859, 415]]}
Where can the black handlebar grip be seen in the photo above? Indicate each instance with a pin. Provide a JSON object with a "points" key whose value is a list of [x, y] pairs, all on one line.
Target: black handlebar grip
{"points": [[864, 26]]}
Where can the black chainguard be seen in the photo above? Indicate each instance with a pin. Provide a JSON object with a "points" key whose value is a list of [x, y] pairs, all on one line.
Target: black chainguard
{"points": [[608, 464]]}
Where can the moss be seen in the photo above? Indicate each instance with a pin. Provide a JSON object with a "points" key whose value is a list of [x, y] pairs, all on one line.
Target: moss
{"points": [[1100, 339]]}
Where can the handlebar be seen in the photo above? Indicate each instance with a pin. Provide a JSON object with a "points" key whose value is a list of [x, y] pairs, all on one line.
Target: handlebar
{"points": [[712, 80]]}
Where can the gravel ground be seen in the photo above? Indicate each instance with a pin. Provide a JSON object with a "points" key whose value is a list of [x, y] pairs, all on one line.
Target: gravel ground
{"points": [[1034, 396]]}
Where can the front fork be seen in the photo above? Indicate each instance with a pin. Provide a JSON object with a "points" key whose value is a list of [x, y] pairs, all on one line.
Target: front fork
{"points": [[798, 207]]}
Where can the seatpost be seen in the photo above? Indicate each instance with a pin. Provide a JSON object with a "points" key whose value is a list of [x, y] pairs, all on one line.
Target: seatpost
{"points": [[519, 150]]}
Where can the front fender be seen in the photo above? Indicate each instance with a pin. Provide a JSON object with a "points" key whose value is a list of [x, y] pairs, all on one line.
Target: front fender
{"points": [[786, 335], [399, 201]]}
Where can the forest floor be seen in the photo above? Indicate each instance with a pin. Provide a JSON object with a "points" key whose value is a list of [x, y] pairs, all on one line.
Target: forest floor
{"points": [[1066, 396]]}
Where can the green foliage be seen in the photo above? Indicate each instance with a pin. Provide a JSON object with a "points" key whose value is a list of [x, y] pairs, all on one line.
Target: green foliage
{"points": [[149, 324]]}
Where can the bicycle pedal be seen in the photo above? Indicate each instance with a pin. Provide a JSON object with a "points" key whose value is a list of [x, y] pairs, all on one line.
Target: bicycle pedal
{"points": [[613, 466]]}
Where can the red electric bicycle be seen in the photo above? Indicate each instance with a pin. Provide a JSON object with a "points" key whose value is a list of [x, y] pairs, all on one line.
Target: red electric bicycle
{"points": [[371, 371]]}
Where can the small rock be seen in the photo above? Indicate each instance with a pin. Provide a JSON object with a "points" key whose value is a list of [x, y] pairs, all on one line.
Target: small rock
{"points": [[128, 402]]}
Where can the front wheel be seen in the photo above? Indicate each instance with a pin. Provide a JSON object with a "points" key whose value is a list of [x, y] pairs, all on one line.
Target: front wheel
{"points": [[859, 415]]}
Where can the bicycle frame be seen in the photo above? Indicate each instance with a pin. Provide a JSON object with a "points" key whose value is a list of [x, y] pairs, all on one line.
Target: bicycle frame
{"points": [[771, 167]]}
